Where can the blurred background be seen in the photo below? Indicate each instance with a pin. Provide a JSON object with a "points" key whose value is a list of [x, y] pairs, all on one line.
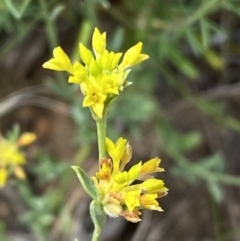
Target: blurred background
{"points": [[183, 106]]}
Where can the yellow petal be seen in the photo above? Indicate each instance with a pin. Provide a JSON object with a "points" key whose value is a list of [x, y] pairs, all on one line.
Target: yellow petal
{"points": [[131, 199], [115, 60], [3, 177], [109, 61], [10, 154], [98, 109], [19, 172], [128, 177], [79, 74], [151, 166], [122, 177], [109, 84], [149, 201], [94, 96], [60, 62], [26, 139], [86, 54], [135, 171], [110, 146], [116, 151], [133, 56], [152, 185], [141, 58], [94, 68], [98, 42]]}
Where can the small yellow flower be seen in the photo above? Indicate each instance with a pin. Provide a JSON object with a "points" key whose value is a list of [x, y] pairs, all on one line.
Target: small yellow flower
{"points": [[116, 151], [11, 158], [100, 69], [95, 99], [109, 84], [106, 169], [59, 62], [149, 201], [133, 57], [118, 194], [149, 167], [131, 199]]}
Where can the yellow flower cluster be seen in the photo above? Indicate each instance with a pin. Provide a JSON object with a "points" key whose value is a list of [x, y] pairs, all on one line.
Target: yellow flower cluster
{"points": [[11, 157], [119, 196], [100, 75]]}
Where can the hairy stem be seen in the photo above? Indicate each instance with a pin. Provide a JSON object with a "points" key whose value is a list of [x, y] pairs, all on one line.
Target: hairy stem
{"points": [[99, 218]]}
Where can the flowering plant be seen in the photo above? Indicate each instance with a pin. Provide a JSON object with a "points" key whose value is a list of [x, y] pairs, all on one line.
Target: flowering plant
{"points": [[99, 75], [11, 157], [119, 196], [102, 78]]}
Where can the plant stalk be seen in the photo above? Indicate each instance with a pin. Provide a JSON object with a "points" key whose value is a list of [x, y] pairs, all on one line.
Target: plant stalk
{"points": [[99, 218], [101, 134], [96, 234]]}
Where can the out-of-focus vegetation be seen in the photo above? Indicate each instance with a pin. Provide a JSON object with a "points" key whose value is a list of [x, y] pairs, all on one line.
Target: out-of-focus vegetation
{"points": [[183, 105]]}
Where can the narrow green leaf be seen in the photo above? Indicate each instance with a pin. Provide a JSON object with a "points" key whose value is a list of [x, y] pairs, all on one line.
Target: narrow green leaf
{"points": [[205, 33], [216, 191], [18, 8], [189, 141], [217, 111], [97, 214], [86, 182], [183, 64], [213, 162], [184, 172], [56, 11], [14, 133], [105, 3], [193, 41]]}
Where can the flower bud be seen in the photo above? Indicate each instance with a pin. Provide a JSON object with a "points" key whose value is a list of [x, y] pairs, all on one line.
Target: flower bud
{"points": [[127, 155], [113, 209]]}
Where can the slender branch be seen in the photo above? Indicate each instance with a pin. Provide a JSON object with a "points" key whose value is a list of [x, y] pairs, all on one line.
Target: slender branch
{"points": [[101, 134]]}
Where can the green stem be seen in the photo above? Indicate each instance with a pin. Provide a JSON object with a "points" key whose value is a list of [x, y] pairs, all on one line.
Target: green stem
{"points": [[90, 10], [101, 134], [99, 218], [96, 211], [96, 234]]}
